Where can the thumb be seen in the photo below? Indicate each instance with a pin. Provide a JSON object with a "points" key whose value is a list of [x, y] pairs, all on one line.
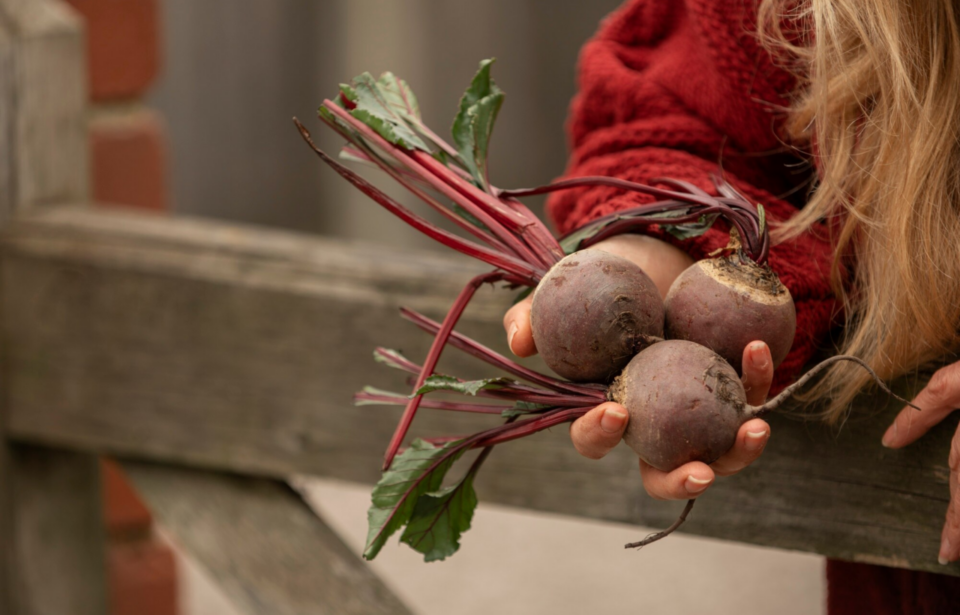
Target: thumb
{"points": [[596, 433], [757, 372], [516, 322]]}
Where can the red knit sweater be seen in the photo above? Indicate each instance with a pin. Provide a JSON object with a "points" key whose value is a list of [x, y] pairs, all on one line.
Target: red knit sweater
{"points": [[666, 86]]}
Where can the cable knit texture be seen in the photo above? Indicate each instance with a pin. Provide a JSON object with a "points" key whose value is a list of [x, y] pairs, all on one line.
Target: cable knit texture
{"points": [[671, 88]]}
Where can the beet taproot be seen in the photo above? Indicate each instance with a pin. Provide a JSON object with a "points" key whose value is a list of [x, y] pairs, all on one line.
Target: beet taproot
{"points": [[685, 403], [727, 302], [592, 312]]}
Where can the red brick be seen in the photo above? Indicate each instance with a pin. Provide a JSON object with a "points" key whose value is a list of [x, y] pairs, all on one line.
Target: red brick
{"points": [[143, 578], [123, 46], [128, 159], [125, 514]]}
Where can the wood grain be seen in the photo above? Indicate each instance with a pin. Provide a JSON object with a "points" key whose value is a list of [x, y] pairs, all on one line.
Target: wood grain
{"points": [[257, 340], [47, 131], [59, 563], [262, 544]]}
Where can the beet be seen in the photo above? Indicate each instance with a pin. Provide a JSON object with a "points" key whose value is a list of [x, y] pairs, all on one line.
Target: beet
{"points": [[592, 312], [685, 403], [725, 303]]}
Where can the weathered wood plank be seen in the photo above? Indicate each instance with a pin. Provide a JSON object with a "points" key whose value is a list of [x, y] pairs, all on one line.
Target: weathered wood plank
{"points": [[262, 544], [7, 101], [257, 340], [51, 539], [46, 135], [57, 541]]}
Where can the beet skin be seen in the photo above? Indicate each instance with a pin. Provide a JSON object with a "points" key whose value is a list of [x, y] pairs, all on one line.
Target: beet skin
{"points": [[685, 403], [726, 303], [592, 313]]}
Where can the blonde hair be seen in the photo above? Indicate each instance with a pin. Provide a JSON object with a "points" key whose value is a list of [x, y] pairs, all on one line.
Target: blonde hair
{"points": [[879, 105]]}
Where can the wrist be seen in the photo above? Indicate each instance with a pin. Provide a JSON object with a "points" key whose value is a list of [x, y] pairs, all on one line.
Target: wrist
{"points": [[660, 260]]}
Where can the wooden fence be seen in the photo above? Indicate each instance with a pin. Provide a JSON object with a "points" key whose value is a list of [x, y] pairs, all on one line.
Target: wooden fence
{"points": [[243, 375]]}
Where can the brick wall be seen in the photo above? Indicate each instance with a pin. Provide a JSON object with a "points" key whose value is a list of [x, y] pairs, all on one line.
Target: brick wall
{"points": [[128, 166], [127, 139]]}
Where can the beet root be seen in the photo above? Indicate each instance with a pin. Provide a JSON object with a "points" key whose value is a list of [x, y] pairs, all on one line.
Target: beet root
{"points": [[685, 403], [725, 303], [592, 312]]}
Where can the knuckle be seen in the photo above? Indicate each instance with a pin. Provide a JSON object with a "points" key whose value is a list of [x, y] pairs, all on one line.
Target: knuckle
{"points": [[586, 442], [954, 460], [943, 384]]}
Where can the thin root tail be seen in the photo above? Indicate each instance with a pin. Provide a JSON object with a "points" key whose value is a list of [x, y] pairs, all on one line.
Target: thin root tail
{"points": [[658, 535]]}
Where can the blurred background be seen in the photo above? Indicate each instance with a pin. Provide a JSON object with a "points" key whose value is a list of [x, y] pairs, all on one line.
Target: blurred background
{"points": [[192, 102], [232, 79]]}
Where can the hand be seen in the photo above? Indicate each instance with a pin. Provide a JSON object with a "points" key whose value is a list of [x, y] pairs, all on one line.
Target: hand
{"points": [[939, 398], [597, 432]]}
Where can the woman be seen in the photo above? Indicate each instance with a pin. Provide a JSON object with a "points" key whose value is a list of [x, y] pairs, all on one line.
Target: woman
{"points": [[868, 93]]}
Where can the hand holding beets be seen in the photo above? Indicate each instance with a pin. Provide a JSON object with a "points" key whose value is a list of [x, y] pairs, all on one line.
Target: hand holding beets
{"points": [[600, 430], [600, 318]]}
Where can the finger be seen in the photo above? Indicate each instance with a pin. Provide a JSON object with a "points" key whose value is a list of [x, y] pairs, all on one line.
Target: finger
{"points": [[516, 322], [751, 440], [757, 372], [687, 481], [596, 433], [950, 537], [938, 399]]}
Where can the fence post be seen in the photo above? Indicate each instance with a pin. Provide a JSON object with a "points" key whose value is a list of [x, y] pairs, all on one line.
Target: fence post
{"points": [[51, 543]]}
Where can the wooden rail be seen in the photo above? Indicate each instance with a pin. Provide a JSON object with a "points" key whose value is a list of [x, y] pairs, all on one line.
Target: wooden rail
{"points": [[255, 342], [258, 339]]}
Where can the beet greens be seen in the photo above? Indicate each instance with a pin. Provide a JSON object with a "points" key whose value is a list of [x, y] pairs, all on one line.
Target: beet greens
{"points": [[380, 120]]}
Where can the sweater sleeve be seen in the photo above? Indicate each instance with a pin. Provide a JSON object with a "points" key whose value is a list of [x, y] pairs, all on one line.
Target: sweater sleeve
{"points": [[667, 87]]}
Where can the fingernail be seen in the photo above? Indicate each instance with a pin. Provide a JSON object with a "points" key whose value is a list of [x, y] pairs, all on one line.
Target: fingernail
{"points": [[696, 485], [889, 436], [612, 420], [944, 552], [511, 333], [759, 356], [755, 440]]}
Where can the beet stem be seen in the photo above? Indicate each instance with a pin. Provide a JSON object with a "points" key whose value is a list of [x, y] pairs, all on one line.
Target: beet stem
{"points": [[658, 535], [436, 348], [451, 185], [776, 402], [530, 275], [735, 208], [396, 361], [402, 400], [411, 181], [464, 343], [521, 429]]}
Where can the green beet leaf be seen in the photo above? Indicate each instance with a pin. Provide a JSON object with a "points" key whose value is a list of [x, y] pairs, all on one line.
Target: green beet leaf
{"points": [[383, 106], [399, 97], [571, 243], [473, 125], [523, 407], [691, 229], [439, 382], [416, 471], [439, 519]]}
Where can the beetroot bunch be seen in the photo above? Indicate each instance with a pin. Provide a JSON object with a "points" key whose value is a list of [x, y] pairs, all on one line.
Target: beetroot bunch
{"points": [[597, 319]]}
